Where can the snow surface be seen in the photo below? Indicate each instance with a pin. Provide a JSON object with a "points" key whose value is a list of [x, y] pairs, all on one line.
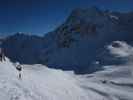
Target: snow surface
{"points": [[41, 83], [114, 17], [38, 83], [123, 49]]}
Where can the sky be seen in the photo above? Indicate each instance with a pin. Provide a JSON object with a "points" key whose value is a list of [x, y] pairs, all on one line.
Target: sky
{"points": [[42, 16]]}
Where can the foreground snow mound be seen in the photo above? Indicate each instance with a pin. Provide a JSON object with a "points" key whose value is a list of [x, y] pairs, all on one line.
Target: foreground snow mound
{"points": [[114, 83], [38, 83]]}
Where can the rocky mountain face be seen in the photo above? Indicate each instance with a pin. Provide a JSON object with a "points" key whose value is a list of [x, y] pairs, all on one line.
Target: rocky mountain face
{"points": [[76, 43], [23, 48]]}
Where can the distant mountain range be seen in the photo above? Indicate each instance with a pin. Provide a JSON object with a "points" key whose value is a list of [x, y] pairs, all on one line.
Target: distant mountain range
{"points": [[76, 43]]}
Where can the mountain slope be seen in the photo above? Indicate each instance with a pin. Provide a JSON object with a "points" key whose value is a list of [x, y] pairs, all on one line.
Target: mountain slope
{"points": [[75, 44]]}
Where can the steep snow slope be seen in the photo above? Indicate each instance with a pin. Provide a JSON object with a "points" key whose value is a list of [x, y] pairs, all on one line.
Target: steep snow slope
{"points": [[41, 83], [38, 83]]}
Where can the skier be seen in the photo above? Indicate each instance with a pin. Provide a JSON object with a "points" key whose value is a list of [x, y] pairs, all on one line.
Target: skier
{"points": [[19, 69]]}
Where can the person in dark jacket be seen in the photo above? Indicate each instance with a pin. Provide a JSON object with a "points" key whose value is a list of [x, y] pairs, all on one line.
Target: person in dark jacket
{"points": [[19, 69]]}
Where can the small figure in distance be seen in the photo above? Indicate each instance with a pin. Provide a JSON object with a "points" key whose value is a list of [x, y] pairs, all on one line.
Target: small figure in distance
{"points": [[104, 81], [2, 55], [19, 69]]}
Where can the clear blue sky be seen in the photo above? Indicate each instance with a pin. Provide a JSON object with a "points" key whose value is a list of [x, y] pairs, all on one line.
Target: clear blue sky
{"points": [[42, 16]]}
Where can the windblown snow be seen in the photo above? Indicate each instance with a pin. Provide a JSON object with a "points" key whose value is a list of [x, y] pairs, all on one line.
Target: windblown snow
{"points": [[41, 83]]}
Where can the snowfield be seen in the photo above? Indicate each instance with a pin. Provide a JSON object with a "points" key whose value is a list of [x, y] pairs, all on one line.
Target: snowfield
{"points": [[38, 83], [42, 83]]}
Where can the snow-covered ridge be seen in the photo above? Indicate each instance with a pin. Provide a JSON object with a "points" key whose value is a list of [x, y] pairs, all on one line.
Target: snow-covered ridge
{"points": [[121, 49]]}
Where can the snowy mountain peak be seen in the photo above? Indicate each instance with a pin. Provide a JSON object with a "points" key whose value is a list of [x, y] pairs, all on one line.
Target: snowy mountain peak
{"points": [[84, 14], [80, 12]]}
